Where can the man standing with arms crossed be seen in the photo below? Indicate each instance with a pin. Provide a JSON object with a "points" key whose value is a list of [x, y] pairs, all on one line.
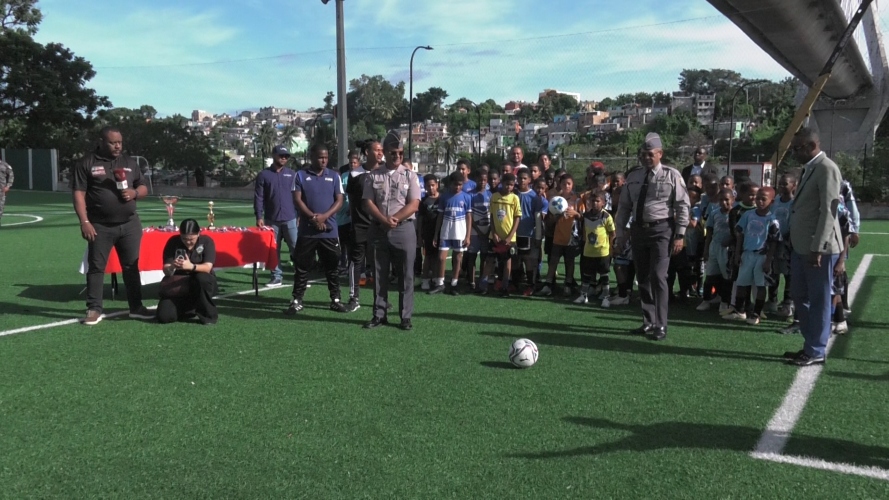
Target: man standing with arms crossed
{"points": [[6, 179], [816, 242], [106, 185], [656, 197], [392, 197], [273, 204]]}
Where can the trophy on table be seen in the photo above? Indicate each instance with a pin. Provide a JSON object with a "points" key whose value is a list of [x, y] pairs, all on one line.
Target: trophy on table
{"points": [[211, 217], [170, 201]]}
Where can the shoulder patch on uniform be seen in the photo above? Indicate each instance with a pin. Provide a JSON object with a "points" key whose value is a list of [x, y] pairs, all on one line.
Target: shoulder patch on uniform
{"points": [[199, 249]]}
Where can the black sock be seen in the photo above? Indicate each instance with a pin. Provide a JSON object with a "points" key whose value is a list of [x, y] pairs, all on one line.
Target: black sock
{"points": [[758, 305]]}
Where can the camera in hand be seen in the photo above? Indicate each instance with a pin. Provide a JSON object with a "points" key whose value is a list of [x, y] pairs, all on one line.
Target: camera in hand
{"points": [[120, 177], [180, 254]]}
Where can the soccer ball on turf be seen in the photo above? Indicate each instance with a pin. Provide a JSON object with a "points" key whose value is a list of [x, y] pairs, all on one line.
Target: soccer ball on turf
{"points": [[523, 353], [558, 205]]}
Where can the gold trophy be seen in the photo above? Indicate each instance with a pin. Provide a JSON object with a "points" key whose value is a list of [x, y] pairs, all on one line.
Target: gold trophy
{"points": [[211, 217], [170, 201]]}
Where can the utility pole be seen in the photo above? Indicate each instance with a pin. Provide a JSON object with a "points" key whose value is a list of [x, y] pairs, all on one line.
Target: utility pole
{"points": [[342, 122]]}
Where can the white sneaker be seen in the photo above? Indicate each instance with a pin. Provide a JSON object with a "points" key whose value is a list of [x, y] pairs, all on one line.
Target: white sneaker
{"points": [[724, 307], [716, 299], [736, 316], [581, 299], [606, 292], [617, 301], [546, 291], [753, 320], [424, 285], [703, 306], [841, 328]]}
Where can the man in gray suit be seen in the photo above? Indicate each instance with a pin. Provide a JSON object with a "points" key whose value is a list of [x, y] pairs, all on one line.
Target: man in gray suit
{"points": [[817, 243]]}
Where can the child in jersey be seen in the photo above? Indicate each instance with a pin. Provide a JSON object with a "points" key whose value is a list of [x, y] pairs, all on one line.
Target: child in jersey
{"points": [[781, 265], [744, 203], [506, 211], [566, 240], [481, 225], [428, 219], [525, 265], [454, 223], [717, 270], [758, 233], [595, 262]]}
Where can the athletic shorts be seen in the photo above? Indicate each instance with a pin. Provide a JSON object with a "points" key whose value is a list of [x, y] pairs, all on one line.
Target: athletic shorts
{"points": [[717, 262], [455, 245], [592, 266], [750, 272], [478, 243], [839, 284]]}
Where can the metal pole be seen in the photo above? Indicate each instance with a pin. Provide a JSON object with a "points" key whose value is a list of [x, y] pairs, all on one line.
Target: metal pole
{"points": [[410, 126], [479, 113], [341, 118]]}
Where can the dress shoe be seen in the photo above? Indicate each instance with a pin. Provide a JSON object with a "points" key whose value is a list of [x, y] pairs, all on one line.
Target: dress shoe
{"points": [[406, 324], [642, 330], [659, 333], [375, 322]]}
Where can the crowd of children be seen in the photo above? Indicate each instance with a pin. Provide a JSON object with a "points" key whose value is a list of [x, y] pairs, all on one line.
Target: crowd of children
{"points": [[499, 232]]}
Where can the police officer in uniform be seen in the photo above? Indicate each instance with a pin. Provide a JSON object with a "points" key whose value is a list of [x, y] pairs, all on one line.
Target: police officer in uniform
{"points": [[392, 196], [656, 197], [6, 179]]}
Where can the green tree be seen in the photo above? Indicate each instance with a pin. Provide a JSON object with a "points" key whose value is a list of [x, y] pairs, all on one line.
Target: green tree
{"points": [[429, 105], [328, 102], [267, 138], [20, 15], [374, 100]]}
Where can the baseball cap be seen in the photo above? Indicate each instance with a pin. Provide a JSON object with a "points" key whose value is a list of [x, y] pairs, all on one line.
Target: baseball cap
{"points": [[280, 151]]}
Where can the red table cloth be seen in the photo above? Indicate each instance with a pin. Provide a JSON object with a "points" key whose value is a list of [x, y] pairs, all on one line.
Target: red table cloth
{"points": [[233, 249]]}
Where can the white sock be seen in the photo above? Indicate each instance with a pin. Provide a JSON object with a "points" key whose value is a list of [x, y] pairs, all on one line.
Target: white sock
{"points": [[454, 283], [439, 281]]}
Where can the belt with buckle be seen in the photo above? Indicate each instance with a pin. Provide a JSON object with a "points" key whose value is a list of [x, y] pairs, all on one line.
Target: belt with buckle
{"points": [[646, 225]]}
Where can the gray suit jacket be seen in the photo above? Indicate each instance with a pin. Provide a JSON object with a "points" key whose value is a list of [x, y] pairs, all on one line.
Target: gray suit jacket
{"points": [[813, 218]]}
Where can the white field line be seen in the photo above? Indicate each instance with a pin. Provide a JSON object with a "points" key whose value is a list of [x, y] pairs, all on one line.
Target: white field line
{"points": [[780, 427], [36, 218], [178, 209], [879, 234], [124, 313], [815, 463]]}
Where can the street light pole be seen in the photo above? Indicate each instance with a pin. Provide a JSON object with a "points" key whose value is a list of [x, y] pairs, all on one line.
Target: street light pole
{"points": [[342, 123], [731, 137], [410, 126]]}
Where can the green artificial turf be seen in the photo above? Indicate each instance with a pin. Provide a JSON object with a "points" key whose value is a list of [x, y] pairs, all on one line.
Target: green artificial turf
{"points": [[267, 406]]}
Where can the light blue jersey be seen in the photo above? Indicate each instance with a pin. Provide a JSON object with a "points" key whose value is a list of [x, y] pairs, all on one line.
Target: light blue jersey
{"points": [[758, 230]]}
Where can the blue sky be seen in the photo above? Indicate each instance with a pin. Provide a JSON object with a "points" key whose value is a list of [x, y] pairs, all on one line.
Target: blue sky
{"points": [[228, 55]]}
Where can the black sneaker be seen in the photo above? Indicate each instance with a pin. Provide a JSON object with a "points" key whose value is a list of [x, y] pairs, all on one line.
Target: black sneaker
{"points": [[436, 289], [375, 322], [142, 313], [353, 305], [806, 360], [453, 291], [793, 354], [337, 306], [296, 306], [504, 293], [406, 324]]}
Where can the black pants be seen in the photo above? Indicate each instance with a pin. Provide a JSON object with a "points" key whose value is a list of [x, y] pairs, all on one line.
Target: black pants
{"points": [[201, 289], [328, 251], [126, 238], [651, 254], [357, 260]]}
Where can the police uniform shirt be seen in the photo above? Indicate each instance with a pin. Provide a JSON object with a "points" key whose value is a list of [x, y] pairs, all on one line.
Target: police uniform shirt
{"points": [[391, 190], [95, 175], [666, 198], [6, 175]]}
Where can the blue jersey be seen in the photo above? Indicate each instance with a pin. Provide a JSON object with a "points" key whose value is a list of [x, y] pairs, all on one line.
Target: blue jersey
{"points": [[469, 186], [481, 211], [758, 230], [693, 236], [717, 225], [530, 202], [453, 208], [781, 210]]}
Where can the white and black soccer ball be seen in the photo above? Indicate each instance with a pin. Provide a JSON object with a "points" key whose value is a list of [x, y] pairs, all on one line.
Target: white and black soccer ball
{"points": [[523, 353], [558, 205]]}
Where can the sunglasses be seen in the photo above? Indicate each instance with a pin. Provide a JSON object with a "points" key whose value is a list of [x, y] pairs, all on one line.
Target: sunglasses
{"points": [[396, 153]]}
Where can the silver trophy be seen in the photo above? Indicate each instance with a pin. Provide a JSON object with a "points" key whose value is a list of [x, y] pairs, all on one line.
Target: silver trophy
{"points": [[170, 201]]}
